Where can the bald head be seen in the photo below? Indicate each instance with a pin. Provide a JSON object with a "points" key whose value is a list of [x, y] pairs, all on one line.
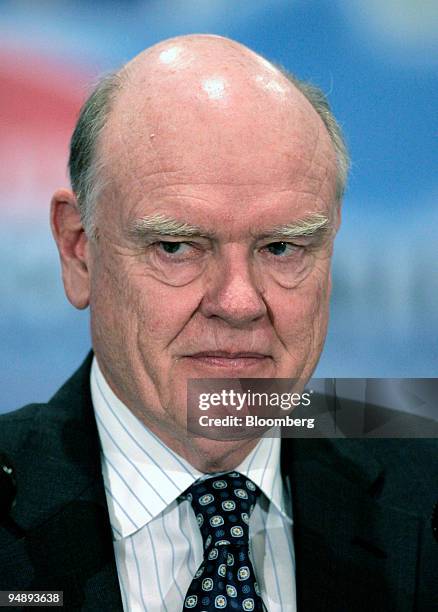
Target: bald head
{"points": [[196, 93], [209, 68]]}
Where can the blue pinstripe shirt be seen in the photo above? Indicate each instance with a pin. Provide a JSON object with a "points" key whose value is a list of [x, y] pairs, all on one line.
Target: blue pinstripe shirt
{"points": [[157, 542]]}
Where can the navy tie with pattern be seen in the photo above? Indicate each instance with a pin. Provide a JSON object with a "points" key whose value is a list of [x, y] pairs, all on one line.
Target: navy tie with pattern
{"points": [[225, 579]]}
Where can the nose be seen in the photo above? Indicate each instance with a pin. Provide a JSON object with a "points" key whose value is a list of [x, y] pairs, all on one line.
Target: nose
{"points": [[233, 292]]}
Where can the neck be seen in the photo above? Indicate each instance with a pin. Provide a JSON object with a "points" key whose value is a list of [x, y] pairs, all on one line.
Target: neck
{"points": [[209, 456]]}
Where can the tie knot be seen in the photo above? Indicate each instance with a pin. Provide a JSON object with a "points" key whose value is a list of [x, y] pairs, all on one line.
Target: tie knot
{"points": [[223, 506]]}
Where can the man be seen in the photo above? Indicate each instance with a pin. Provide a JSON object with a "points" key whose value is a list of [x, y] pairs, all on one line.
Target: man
{"points": [[206, 189]]}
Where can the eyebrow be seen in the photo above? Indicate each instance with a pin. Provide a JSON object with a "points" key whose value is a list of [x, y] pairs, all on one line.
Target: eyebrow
{"points": [[312, 225], [164, 226]]}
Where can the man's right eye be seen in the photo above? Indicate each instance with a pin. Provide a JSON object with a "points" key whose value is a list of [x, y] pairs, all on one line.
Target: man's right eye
{"points": [[176, 251], [171, 247]]}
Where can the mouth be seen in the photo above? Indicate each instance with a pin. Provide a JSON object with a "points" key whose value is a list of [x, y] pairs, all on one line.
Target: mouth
{"points": [[229, 360]]}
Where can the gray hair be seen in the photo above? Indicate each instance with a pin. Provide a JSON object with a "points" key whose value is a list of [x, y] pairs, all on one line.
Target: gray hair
{"points": [[86, 166], [320, 103]]}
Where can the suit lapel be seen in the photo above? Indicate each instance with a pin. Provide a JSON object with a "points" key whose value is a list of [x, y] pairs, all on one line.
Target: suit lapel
{"points": [[61, 507], [351, 550]]}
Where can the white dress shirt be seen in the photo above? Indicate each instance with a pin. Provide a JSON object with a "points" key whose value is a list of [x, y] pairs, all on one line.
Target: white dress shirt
{"points": [[157, 542]]}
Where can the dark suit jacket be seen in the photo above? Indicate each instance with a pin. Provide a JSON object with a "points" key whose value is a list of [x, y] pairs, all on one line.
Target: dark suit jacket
{"points": [[362, 514]]}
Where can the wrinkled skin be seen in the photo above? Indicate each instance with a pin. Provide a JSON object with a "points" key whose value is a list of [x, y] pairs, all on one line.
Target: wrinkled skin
{"points": [[206, 132]]}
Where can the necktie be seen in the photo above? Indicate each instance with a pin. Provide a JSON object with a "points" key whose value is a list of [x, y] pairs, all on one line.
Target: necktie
{"points": [[225, 579]]}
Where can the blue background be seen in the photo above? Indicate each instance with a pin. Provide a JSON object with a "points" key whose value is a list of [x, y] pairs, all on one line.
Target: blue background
{"points": [[376, 60]]}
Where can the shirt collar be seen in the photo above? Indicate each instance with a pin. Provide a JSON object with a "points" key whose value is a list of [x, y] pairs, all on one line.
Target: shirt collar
{"points": [[142, 475], [262, 466]]}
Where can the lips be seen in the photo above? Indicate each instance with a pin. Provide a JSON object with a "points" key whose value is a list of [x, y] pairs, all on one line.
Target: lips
{"points": [[229, 354], [229, 359]]}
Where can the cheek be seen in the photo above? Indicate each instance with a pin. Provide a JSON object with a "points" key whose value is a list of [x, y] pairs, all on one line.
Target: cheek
{"points": [[109, 318], [300, 315], [138, 309], [162, 311]]}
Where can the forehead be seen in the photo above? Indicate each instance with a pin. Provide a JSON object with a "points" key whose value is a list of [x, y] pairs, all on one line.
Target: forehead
{"points": [[240, 133]]}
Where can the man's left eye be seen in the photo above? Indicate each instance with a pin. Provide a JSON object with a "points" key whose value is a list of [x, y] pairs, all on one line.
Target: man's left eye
{"points": [[281, 249]]}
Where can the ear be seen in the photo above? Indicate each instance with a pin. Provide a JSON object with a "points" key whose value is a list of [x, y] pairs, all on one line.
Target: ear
{"points": [[73, 247]]}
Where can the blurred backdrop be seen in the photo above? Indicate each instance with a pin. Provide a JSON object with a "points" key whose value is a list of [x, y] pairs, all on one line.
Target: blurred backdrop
{"points": [[378, 62]]}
